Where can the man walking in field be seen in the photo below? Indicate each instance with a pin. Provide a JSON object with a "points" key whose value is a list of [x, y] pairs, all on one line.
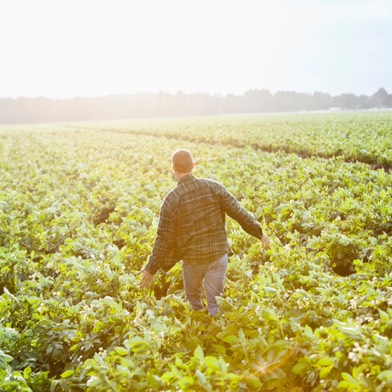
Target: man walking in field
{"points": [[192, 228]]}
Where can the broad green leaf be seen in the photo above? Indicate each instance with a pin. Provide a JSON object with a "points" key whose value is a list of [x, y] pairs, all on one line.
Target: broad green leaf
{"points": [[383, 315], [325, 361], [301, 366], [198, 353], [124, 371], [186, 382], [385, 375], [27, 372], [94, 382], [67, 373], [253, 381], [121, 350], [231, 339], [201, 377]]}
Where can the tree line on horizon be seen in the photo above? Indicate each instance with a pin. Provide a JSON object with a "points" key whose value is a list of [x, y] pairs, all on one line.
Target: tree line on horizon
{"points": [[162, 104]]}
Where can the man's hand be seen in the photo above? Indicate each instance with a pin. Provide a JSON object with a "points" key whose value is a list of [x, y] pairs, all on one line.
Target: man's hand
{"points": [[265, 241], [146, 280]]}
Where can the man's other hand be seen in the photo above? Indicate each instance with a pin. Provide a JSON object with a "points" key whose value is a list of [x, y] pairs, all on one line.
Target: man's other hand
{"points": [[265, 241], [146, 280]]}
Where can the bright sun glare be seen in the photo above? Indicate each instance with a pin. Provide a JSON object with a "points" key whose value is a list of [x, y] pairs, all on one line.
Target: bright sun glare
{"points": [[99, 47]]}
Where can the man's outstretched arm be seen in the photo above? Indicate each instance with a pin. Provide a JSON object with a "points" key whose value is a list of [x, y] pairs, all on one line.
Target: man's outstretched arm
{"points": [[232, 207], [162, 245]]}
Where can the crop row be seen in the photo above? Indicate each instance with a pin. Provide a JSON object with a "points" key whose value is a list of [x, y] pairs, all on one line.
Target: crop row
{"points": [[356, 137], [78, 215]]}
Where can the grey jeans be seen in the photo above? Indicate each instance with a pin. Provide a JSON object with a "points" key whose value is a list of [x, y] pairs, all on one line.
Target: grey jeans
{"points": [[213, 275]]}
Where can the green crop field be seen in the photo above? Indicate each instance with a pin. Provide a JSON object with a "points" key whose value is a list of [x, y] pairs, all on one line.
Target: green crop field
{"points": [[79, 206]]}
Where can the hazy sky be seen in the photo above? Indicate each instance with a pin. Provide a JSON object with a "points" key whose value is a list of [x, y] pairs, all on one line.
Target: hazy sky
{"points": [[67, 48]]}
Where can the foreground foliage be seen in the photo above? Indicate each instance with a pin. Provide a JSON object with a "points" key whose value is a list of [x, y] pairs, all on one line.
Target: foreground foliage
{"points": [[78, 214]]}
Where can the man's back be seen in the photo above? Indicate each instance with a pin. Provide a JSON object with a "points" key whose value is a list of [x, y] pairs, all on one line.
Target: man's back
{"points": [[194, 206]]}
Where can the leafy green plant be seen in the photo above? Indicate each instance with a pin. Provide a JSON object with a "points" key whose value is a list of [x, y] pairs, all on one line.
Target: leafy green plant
{"points": [[79, 210]]}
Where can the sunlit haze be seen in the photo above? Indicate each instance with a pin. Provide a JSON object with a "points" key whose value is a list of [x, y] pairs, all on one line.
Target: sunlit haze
{"points": [[93, 48]]}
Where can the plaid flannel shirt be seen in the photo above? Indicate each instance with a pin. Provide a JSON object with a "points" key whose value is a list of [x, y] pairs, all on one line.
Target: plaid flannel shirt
{"points": [[192, 224]]}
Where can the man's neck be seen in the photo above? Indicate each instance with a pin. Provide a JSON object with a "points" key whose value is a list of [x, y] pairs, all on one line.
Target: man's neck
{"points": [[180, 175]]}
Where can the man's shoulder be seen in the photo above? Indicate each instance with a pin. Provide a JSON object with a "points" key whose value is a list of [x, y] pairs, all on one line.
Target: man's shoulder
{"points": [[209, 182], [172, 195], [213, 185], [177, 193]]}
